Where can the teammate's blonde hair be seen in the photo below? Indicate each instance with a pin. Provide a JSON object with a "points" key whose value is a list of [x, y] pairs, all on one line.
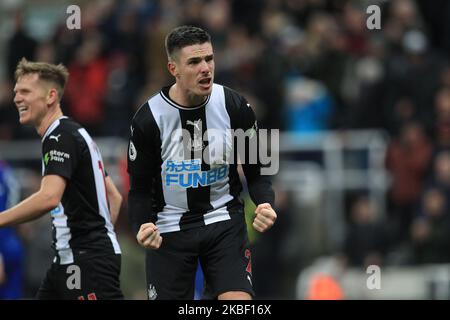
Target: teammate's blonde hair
{"points": [[54, 74]]}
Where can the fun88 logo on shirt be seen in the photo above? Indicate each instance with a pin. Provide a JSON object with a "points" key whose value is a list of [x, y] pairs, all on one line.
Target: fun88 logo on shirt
{"points": [[188, 174]]}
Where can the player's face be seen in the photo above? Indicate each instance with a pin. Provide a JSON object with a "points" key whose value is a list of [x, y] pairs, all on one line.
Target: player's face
{"points": [[195, 69], [30, 97]]}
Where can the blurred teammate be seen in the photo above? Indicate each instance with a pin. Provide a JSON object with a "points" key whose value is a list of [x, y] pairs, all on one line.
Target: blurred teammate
{"points": [[11, 249], [184, 195], [74, 188]]}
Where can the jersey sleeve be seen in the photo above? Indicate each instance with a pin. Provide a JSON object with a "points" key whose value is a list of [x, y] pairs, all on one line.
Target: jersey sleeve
{"points": [[60, 154], [141, 151], [142, 165], [247, 119], [259, 186]]}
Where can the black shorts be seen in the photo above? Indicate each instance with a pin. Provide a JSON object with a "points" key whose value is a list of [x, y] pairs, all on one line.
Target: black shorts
{"points": [[94, 278], [222, 248]]}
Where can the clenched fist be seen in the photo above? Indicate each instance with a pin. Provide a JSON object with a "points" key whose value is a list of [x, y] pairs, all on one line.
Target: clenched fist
{"points": [[148, 236], [265, 217]]}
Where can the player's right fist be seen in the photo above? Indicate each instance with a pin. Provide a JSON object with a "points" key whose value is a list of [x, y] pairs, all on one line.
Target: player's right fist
{"points": [[148, 236]]}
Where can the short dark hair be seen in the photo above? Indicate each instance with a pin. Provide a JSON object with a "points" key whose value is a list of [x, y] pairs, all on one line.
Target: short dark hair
{"points": [[56, 74], [184, 36]]}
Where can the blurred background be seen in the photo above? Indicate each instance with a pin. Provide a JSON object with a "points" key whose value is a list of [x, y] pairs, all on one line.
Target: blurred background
{"points": [[364, 117]]}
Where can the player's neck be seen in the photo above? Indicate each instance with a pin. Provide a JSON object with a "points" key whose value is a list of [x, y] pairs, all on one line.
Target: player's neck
{"points": [[49, 118], [183, 98]]}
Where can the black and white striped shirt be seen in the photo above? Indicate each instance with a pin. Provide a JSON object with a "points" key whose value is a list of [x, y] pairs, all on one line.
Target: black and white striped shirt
{"points": [[191, 182], [82, 221]]}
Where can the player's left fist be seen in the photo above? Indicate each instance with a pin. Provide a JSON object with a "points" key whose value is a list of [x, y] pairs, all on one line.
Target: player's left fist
{"points": [[265, 217]]}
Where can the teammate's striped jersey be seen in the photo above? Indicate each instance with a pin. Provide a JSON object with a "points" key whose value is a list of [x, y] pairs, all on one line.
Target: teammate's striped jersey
{"points": [[186, 154], [82, 221]]}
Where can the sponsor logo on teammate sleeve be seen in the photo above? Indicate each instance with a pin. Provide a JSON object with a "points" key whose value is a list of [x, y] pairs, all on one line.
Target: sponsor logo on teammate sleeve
{"points": [[46, 158], [56, 156]]}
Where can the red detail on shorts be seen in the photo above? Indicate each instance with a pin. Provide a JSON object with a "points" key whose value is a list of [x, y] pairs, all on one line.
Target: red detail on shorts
{"points": [[92, 296], [80, 298], [248, 255]]}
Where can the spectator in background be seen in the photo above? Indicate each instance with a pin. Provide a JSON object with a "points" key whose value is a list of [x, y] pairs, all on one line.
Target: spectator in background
{"points": [[8, 115], [442, 118], [19, 45], [365, 242], [440, 177], [436, 15], [430, 232], [408, 158], [86, 89], [11, 250], [402, 16], [309, 105], [356, 39], [271, 266]]}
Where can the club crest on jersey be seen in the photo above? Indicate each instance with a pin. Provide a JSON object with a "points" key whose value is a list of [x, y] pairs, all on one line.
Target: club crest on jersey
{"points": [[151, 292], [197, 141], [132, 152]]}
